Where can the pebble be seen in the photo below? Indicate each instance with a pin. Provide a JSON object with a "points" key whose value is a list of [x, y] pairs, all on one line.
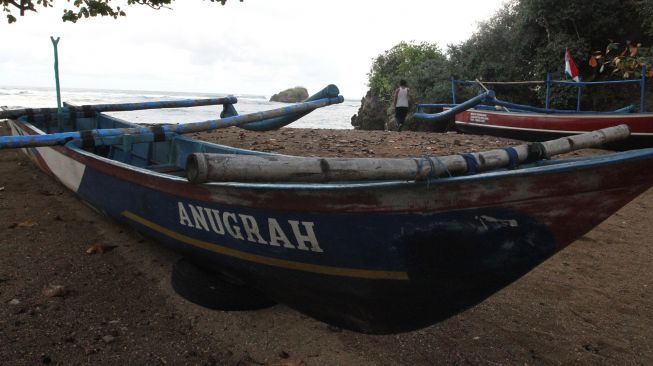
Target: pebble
{"points": [[108, 339], [14, 302], [55, 291]]}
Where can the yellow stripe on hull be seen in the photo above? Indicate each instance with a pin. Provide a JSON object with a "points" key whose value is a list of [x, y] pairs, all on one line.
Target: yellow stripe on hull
{"points": [[275, 262]]}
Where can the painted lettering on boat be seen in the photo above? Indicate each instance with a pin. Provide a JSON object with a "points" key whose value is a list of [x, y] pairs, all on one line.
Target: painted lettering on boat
{"points": [[247, 228], [478, 117]]}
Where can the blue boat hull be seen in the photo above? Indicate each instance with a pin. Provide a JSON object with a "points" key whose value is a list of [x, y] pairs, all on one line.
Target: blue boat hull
{"points": [[379, 257]]}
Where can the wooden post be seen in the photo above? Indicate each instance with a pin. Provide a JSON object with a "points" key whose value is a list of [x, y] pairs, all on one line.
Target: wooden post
{"points": [[642, 91], [547, 104], [55, 43], [453, 90]]}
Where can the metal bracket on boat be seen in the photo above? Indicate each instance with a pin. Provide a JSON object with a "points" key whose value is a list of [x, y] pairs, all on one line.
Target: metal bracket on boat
{"points": [[87, 137], [159, 133], [228, 110], [127, 143]]}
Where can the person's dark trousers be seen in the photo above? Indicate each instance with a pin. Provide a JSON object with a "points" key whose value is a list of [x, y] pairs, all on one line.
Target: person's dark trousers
{"points": [[400, 115]]}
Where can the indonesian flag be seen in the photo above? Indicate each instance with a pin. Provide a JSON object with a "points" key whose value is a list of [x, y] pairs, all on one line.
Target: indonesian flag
{"points": [[570, 66]]}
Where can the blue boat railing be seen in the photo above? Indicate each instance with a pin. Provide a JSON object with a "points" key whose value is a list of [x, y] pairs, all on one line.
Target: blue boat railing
{"points": [[549, 82]]}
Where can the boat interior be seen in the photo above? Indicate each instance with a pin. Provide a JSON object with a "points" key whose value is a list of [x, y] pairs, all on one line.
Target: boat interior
{"points": [[168, 156]]}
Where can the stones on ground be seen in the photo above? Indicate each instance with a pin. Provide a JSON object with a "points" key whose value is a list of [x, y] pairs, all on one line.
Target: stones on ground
{"points": [[100, 249], [24, 224], [108, 339], [288, 362], [55, 291], [14, 302]]}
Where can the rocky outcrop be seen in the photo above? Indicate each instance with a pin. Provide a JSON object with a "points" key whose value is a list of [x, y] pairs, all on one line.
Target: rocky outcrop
{"points": [[372, 114], [378, 114], [292, 95]]}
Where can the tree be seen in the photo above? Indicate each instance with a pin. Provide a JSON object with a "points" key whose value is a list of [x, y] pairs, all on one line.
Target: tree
{"points": [[82, 8], [423, 65], [527, 38]]}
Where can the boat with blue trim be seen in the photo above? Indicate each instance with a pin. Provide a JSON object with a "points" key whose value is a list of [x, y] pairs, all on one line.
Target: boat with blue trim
{"points": [[372, 254], [499, 118]]}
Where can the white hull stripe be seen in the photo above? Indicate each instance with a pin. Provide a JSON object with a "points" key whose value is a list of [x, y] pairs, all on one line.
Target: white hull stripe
{"points": [[67, 170]]}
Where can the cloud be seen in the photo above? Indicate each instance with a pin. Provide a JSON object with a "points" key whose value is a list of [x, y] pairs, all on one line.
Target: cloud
{"points": [[253, 47]]}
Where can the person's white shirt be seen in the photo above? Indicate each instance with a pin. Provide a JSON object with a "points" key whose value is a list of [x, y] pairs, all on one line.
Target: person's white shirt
{"points": [[402, 97]]}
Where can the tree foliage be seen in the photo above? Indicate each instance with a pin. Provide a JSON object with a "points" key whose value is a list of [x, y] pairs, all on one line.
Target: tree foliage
{"points": [[527, 39], [80, 8], [422, 65]]}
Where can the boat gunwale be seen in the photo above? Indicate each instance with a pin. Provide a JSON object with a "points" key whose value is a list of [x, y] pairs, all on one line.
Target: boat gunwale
{"points": [[588, 115], [538, 168], [562, 133]]}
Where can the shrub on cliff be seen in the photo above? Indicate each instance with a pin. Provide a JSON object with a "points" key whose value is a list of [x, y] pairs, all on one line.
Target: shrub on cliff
{"points": [[527, 39], [423, 65], [425, 68]]}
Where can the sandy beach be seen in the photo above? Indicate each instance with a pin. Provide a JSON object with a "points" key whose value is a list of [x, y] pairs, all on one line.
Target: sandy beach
{"points": [[591, 304]]}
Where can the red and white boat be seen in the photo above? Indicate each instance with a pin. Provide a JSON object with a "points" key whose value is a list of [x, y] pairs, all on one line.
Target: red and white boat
{"points": [[533, 126]]}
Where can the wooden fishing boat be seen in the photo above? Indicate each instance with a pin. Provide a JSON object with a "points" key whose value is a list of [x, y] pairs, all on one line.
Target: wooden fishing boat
{"points": [[374, 253], [533, 126], [504, 119]]}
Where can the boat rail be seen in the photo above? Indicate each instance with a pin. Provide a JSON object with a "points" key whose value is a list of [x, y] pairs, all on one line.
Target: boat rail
{"points": [[549, 83]]}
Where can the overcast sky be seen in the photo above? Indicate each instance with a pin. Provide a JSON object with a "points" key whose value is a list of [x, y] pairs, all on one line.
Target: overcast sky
{"points": [[254, 47]]}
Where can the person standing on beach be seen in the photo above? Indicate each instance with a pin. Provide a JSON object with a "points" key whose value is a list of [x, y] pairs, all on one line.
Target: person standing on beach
{"points": [[401, 103]]}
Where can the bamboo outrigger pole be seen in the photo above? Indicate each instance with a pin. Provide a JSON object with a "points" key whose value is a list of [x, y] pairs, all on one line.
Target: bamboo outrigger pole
{"points": [[203, 167], [162, 130]]}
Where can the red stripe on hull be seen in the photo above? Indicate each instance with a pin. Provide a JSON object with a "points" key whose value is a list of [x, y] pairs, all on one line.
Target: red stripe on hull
{"points": [[638, 123]]}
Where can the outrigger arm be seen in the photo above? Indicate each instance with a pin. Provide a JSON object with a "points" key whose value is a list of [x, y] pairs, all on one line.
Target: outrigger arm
{"points": [[164, 131], [92, 110], [450, 113]]}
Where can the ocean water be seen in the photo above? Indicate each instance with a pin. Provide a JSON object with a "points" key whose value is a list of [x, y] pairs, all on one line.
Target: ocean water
{"points": [[334, 117]]}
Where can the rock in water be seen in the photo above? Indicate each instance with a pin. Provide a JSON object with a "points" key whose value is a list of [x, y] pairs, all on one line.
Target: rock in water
{"points": [[293, 95]]}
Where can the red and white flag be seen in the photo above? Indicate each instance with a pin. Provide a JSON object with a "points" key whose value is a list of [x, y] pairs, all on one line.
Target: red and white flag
{"points": [[570, 66]]}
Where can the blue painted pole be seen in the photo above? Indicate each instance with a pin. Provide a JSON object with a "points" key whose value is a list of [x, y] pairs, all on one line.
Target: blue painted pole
{"points": [[578, 97], [547, 103], [457, 108], [642, 91], [64, 137], [331, 91], [91, 110]]}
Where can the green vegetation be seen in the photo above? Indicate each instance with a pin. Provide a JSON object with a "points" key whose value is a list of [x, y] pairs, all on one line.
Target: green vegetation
{"points": [[82, 8], [423, 65], [525, 40]]}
